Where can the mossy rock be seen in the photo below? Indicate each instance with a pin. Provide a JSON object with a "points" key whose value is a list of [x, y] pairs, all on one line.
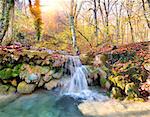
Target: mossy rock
{"points": [[32, 53], [25, 88], [16, 70], [116, 93], [9, 73], [11, 90], [4, 89], [131, 90], [103, 82], [133, 70], [136, 78], [119, 81], [44, 69]]}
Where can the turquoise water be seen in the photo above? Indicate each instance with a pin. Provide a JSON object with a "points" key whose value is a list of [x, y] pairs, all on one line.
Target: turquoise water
{"points": [[41, 104]]}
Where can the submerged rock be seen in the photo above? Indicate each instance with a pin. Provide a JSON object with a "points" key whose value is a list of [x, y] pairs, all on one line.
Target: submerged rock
{"points": [[25, 88]]}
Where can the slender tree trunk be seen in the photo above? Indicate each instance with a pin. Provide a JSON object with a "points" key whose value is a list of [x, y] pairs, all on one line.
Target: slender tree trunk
{"points": [[4, 6], [106, 8], [72, 26], [107, 27], [95, 21], [144, 11], [131, 27], [73, 32], [24, 7]]}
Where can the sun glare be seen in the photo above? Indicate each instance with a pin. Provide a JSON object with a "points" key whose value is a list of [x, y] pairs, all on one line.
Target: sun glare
{"points": [[51, 5]]}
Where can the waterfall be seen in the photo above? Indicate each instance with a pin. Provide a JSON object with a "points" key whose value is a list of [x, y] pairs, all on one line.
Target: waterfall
{"points": [[78, 74], [77, 86]]}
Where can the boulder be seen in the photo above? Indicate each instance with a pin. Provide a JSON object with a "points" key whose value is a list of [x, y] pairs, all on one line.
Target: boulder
{"points": [[41, 83], [33, 77], [51, 84], [47, 77], [30, 73], [25, 88]]}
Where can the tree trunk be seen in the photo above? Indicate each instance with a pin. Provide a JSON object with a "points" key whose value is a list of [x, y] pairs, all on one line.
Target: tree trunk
{"points": [[131, 27], [144, 11], [10, 32], [4, 22], [73, 32], [72, 26], [36, 12], [148, 3], [95, 21]]}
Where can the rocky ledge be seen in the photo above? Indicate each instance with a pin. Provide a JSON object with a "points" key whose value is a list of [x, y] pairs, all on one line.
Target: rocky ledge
{"points": [[113, 108]]}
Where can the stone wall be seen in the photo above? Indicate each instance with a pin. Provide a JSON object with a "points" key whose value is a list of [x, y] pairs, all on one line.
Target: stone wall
{"points": [[23, 70]]}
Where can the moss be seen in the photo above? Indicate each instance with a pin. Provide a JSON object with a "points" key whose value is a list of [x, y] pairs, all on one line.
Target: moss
{"points": [[9, 73], [103, 82], [16, 70], [6, 73]]}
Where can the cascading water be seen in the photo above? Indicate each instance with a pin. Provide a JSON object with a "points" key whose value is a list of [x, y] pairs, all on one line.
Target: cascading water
{"points": [[77, 86]]}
